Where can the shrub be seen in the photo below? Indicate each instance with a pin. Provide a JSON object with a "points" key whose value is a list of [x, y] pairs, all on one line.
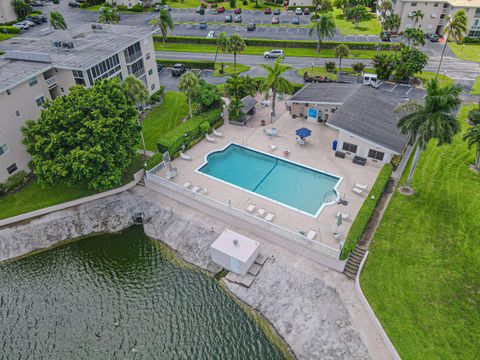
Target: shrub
{"points": [[137, 8], [154, 160], [358, 67], [470, 40], [330, 66], [157, 95], [474, 116], [122, 8], [56, 2], [366, 212], [232, 3], [204, 127], [3, 189], [16, 181], [9, 30], [245, 2], [84, 5], [189, 64]]}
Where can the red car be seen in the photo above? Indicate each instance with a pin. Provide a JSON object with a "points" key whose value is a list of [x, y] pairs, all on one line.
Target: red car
{"points": [[237, 11], [268, 11], [220, 9], [275, 20], [306, 12]]}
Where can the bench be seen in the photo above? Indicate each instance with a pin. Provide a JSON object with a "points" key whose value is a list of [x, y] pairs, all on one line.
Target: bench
{"points": [[359, 160], [340, 154]]}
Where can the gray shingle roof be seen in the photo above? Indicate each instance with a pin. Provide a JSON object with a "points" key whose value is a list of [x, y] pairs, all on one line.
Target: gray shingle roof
{"points": [[324, 92], [13, 72], [248, 103], [369, 115]]}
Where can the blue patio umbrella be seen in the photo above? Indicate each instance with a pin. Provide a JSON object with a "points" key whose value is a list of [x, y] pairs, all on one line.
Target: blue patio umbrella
{"points": [[303, 132]]}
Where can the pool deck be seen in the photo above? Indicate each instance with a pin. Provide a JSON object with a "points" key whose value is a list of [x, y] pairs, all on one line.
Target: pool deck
{"points": [[316, 153]]}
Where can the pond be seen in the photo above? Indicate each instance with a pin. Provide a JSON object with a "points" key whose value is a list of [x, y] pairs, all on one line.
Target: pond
{"points": [[120, 296]]}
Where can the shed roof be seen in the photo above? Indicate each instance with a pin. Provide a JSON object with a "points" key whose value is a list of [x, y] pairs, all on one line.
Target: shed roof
{"points": [[242, 250], [248, 103], [324, 92]]}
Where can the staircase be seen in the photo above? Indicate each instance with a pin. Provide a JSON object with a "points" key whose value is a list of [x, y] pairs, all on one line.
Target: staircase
{"points": [[353, 262]]}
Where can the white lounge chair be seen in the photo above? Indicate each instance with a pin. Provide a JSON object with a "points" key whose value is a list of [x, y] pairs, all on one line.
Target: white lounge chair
{"points": [[217, 134], [311, 235], [261, 212], [360, 186], [357, 191], [203, 191], [272, 147], [185, 156], [209, 138], [269, 216], [187, 184], [195, 189], [251, 208]]}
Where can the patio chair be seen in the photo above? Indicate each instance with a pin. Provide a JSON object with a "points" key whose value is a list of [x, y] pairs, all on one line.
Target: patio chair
{"points": [[251, 208], [360, 186], [209, 139], [261, 212], [272, 147], [187, 184], [185, 156], [269, 217], [311, 235], [357, 191], [195, 189], [217, 134]]}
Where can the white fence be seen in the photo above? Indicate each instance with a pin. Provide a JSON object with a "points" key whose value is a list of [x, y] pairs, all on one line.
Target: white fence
{"points": [[227, 212]]}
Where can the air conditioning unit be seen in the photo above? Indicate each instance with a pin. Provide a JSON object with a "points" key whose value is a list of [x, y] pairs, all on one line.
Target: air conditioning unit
{"points": [[410, 14], [434, 16]]}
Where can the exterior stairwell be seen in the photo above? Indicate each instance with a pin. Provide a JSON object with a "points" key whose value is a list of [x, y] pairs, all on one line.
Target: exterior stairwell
{"points": [[353, 262]]}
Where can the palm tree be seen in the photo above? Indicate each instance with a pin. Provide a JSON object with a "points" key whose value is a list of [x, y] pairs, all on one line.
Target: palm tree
{"points": [[385, 8], [57, 21], [324, 27], [456, 28], [341, 51], [274, 81], [417, 15], [472, 137], [222, 44], [164, 23], [137, 93], [431, 120], [108, 15], [391, 22], [235, 45], [189, 83]]}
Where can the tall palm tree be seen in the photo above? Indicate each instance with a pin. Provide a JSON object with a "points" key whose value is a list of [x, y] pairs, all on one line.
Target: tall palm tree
{"points": [[235, 45], [385, 8], [431, 120], [391, 22], [324, 27], [472, 137], [137, 93], [222, 44], [456, 28], [189, 84], [108, 15], [417, 15], [164, 22], [274, 81], [341, 51], [57, 21]]}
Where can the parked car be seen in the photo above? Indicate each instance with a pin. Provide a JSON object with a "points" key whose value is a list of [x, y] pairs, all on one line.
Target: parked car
{"points": [[238, 18], [298, 11], [251, 27], [276, 11], [385, 36], [267, 11], [238, 11], [211, 34], [21, 26], [157, 7], [306, 11], [295, 20], [36, 3], [29, 23], [228, 18], [74, 4], [200, 10], [275, 20], [203, 25], [434, 38], [274, 53], [178, 69], [220, 9], [159, 67], [164, 7], [43, 18], [35, 19]]}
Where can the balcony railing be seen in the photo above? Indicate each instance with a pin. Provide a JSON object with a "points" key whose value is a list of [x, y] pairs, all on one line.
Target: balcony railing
{"points": [[131, 58], [51, 81]]}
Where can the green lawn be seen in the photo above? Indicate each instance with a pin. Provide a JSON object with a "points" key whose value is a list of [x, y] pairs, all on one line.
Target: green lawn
{"points": [[228, 69], [164, 118], [428, 75], [321, 71], [469, 52], [476, 87], [259, 50], [182, 4], [94, 7], [422, 275], [346, 27], [6, 36]]}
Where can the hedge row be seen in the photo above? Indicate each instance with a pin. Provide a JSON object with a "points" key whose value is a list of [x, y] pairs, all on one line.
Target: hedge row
{"points": [[188, 132], [189, 64], [9, 30], [366, 211], [301, 7], [470, 40], [309, 44]]}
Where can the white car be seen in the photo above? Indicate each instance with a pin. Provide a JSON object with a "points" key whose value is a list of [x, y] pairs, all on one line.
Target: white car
{"points": [[21, 25], [273, 54], [29, 23], [298, 11], [211, 34]]}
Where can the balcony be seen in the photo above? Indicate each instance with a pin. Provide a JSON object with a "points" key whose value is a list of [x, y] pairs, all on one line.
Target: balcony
{"points": [[51, 82], [131, 58]]}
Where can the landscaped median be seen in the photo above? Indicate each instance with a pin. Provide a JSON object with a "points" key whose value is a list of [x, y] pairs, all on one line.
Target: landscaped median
{"points": [[476, 87], [7, 32], [366, 211], [228, 68]]}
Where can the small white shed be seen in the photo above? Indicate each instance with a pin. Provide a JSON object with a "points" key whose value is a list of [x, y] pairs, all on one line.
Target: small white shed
{"points": [[234, 251]]}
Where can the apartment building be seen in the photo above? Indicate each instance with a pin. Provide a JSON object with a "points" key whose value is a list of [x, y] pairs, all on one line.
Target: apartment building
{"points": [[47, 68], [436, 14], [6, 12]]}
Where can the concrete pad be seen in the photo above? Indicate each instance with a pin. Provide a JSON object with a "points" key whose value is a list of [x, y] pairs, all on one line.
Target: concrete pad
{"points": [[260, 260], [254, 269], [244, 280]]}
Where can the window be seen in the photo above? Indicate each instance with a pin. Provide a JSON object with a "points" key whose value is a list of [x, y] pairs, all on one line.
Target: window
{"points": [[105, 69], [152, 87], [136, 69], [17, 113], [349, 147], [33, 82], [8, 92], [435, 5], [40, 100], [414, 4], [12, 168], [132, 53], [148, 56], [377, 155], [150, 72], [3, 149]]}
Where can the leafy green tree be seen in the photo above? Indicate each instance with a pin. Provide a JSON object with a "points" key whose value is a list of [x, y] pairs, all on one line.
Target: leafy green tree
{"points": [[164, 22], [408, 62], [108, 15], [391, 22], [137, 93], [357, 14], [323, 27], [341, 51], [57, 21], [474, 115], [326, 5], [189, 84], [358, 67], [235, 109], [239, 86], [87, 136], [274, 80], [342, 4], [208, 96], [414, 36], [21, 8], [416, 16], [233, 3], [456, 29], [235, 45], [383, 65], [433, 119], [330, 66], [472, 137]]}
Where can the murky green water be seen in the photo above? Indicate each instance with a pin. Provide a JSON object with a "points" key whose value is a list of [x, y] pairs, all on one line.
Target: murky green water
{"points": [[119, 297]]}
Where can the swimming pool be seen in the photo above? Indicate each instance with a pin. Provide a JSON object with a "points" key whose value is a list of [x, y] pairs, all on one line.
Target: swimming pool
{"points": [[296, 186]]}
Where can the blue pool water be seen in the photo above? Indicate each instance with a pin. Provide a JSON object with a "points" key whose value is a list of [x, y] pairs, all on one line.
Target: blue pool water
{"points": [[290, 184]]}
